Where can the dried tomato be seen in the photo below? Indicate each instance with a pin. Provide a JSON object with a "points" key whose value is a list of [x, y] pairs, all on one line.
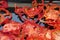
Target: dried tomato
{"points": [[3, 4], [6, 16]]}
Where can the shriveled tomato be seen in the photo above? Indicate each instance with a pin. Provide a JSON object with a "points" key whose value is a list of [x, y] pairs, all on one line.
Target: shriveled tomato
{"points": [[3, 17], [52, 15], [3, 4], [30, 12], [56, 34], [12, 27]]}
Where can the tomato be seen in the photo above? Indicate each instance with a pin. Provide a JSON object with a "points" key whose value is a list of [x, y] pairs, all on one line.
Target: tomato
{"points": [[3, 4], [12, 27], [3, 17]]}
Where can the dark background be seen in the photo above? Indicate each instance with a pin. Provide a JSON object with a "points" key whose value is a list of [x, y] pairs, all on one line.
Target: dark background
{"points": [[27, 1]]}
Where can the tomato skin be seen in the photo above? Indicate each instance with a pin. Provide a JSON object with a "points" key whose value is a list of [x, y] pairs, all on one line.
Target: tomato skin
{"points": [[6, 16], [29, 12], [35, 31], [30, 30], [4, 4], [12, 27]]}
